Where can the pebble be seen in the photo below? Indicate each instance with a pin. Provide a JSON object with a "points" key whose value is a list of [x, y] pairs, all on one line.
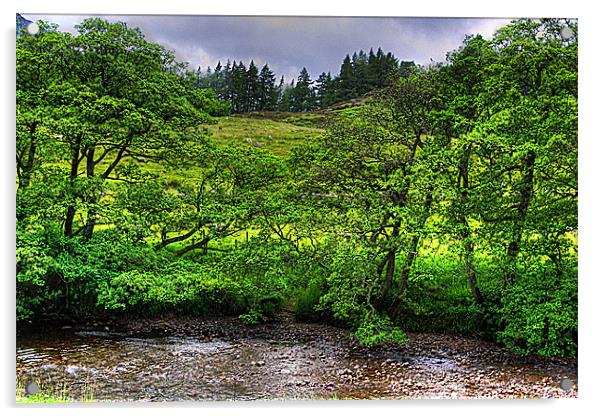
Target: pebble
{"points": [[350, 370]]}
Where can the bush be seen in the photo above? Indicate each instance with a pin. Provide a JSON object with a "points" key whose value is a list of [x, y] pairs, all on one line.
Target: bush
{"points": [[252, 317], [264, 269], [60, 275], [539, 314], [181, 286], [34, 260], [250, 282], [350, 283], [376, 329], [349, 289], [439, 299]]}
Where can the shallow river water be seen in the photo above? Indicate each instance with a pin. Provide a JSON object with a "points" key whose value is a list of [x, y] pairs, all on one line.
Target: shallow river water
{"points": [[220, 359]]}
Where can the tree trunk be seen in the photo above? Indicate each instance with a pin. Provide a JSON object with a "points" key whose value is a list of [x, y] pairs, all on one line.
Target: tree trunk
{"points": [[389, 262], [463, 184], [91, 199], [26, 166], [71, 210], [412, 253], [471, 274], [167, 241], [199, 244], [526, 192], [405, 274]]}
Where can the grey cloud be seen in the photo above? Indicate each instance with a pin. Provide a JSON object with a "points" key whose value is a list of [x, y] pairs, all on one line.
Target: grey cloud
{"points": [[289, 43]]}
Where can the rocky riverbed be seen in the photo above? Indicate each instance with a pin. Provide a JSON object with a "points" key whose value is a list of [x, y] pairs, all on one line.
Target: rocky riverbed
{"points": [[173, 359]]}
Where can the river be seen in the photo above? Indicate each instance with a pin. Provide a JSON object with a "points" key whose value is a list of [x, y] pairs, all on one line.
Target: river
{"points": [[175, 359]]}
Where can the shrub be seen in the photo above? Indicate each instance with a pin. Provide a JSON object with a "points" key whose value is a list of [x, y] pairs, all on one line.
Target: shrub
{"points": [[376, 329], [180, 286], [252, 317], [539, 314]]}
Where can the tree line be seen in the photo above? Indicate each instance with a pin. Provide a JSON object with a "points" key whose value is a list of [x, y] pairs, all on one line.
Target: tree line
{"points": [[253, 89]]}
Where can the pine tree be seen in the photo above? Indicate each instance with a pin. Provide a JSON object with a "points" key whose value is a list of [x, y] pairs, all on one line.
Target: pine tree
{"points": [[252, 90], [280, 93], [238, 87], [268, 94], [391, 66], [220, 85], [304, 98], [359, 62], [372, 70], [228, 83], [346, 81], [406, 68], [325, 92], [286, 97]]}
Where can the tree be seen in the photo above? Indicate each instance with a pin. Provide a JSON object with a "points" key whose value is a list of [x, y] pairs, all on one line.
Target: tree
{"points": [[253, 88], [325, 90], [303, 96], [361, 74], [373, 165], [121, 98], [346, 88], [287, 92], [463, 82], [90, 107], [512, 130], [268, 94], [530, 92], [220, 200]]}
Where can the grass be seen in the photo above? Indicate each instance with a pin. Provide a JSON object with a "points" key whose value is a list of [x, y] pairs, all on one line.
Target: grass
{"points": [[51, 394], [278, 135], [277, 132], [40, 399]]}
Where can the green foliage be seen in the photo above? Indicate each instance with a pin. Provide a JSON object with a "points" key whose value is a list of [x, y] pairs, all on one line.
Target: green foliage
{"points": [[252, 317], [57, 274], [207, 99], [34, 260], [349, 291], [266, 269], [307, 300], [249, 281], [375, 329], [539, 314], [182, 286], [346, 295], [439, 298]]}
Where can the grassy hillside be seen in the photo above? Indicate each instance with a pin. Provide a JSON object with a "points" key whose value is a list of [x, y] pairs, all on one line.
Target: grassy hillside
{"points": [[276, 132]]}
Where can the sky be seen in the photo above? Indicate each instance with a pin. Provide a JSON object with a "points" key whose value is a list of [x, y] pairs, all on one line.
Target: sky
{"points": [[288, 44]]}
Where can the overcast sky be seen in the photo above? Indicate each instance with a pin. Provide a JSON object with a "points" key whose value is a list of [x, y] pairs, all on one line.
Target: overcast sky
{"points": [[289, 43]]}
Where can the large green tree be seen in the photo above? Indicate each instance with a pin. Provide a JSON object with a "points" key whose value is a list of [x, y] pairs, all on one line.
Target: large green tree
{"points": [[90, 108]]}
